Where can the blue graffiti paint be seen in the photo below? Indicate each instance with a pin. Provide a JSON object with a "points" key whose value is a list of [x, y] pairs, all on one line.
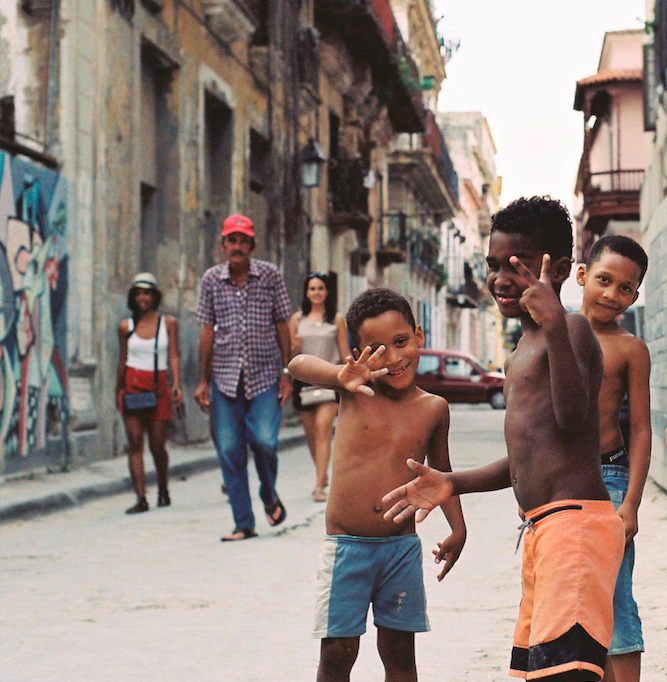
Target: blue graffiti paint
{"points": [[33, 294]]}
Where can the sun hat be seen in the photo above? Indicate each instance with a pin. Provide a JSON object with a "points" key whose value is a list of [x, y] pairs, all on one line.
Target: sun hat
{"points": [[237, 223], [144, 280]]}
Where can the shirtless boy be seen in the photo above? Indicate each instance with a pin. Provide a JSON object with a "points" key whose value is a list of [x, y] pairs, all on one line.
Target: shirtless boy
{"points": [[611, 278], [365, 558], [553, 464]]}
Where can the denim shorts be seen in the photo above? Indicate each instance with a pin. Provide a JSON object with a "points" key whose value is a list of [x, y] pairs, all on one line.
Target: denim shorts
{"points": [[627, 636]]}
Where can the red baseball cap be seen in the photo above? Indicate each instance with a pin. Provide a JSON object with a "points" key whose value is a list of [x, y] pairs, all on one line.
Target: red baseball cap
{"points": [[237, 223]]}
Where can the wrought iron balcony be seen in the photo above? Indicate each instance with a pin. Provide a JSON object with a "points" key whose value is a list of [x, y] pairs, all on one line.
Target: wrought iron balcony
{"points": [[611, 195], [433, 139], [424, 250], [348, 198], [616, 181], [392, 239]]}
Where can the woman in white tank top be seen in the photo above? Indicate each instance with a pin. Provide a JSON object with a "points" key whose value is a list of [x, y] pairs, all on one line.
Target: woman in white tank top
{"points": [[136, 374], [318, 330]]}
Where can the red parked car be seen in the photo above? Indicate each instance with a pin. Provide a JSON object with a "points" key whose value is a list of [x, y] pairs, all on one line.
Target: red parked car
{"points": [[459, 378]]}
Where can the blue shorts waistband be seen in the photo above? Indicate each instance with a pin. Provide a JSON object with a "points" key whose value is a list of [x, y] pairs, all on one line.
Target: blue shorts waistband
{"points": [[618, 470], [363, 538]]}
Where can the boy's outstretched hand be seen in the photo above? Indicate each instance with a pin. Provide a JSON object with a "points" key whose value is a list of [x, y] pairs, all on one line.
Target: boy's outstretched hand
{"points": [[355, 374], [449, 551], [419, 497], [539, 300]]}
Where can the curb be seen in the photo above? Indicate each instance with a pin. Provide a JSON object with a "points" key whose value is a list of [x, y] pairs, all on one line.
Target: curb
{"points": [[48, 504]]}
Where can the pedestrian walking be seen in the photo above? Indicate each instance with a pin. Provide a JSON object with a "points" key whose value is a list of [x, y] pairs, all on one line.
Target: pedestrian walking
{"points": [[244, 348], [317, 329], [366, 559], [148, 343]]}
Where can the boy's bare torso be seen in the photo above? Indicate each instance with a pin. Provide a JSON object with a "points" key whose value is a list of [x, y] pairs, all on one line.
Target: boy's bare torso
{"points": [[548, 463], [617, 347], [374, 436]]}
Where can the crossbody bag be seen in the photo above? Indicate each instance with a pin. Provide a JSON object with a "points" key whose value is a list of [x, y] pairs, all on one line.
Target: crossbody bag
{"points": [[146, 401]]}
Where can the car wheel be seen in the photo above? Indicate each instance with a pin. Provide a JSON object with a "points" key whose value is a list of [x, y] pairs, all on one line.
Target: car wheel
{"points": [[497, 400]]}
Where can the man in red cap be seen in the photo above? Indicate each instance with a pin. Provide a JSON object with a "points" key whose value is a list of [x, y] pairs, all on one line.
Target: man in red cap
{"points": [[244, 348]]}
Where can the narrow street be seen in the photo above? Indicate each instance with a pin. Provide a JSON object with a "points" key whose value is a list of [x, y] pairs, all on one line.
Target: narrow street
{"points": [[93, 595]]}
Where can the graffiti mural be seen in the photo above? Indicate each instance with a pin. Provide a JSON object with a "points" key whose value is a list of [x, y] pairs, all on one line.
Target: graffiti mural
{"points": [[33, 290]]}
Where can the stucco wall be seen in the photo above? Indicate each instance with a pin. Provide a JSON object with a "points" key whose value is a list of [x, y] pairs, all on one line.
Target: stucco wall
{"points": [[654, 222], [656, 337]]}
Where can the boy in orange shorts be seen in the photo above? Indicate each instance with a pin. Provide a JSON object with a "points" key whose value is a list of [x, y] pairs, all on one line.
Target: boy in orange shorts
{"points": [[573, 539]]}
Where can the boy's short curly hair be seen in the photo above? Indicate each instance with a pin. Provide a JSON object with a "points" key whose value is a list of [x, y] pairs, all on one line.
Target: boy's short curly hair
{"points": [[373, 303], [624, 246], [543, 219]]}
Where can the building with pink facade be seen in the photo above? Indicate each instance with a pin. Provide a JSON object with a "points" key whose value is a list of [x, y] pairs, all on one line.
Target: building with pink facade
{"points": [[611, 170]]}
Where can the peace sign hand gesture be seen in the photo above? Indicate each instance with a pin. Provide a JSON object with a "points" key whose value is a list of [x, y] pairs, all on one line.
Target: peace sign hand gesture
{"points": [[355, 374], [539, 300]]}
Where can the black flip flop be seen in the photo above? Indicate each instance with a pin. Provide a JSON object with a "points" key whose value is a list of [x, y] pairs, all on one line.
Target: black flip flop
{"points": [[271, 510], [246, 532]]}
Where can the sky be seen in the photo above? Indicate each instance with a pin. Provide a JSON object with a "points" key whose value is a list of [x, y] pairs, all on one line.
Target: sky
{"points": [[518, 63]]}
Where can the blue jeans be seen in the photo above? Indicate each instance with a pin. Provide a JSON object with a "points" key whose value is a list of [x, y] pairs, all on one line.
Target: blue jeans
{"points": [[235, 424], [627, 636]]}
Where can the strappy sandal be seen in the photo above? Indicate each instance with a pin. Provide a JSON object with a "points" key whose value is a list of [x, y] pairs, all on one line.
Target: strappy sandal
{"points": [[243, 533], [139, 507], [319, 495], [271, 511]]}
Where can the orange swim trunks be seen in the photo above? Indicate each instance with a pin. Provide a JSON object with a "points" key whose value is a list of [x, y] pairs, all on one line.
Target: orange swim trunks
{"points": [[571, 557]]}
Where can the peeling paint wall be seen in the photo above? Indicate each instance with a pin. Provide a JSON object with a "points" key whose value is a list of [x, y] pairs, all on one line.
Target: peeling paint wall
{"points": [[24, 60]]}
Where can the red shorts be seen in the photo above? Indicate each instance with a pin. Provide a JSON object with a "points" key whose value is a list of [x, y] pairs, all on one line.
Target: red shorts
{"points": [[139, 380]]}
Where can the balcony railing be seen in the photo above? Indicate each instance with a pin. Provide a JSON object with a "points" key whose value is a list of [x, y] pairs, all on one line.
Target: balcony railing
{"points": [[394, 232], [433, 139], [348, 198], [616, 181], [392, 239], [401, 236], [611, 195], [424, 250]]}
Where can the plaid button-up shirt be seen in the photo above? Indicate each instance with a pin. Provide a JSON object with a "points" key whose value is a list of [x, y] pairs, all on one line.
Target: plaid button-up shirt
{"points": [[244, 321]]}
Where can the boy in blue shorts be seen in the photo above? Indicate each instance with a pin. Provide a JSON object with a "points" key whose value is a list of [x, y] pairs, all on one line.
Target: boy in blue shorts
{"points": [[611, 277], [365, 559]]}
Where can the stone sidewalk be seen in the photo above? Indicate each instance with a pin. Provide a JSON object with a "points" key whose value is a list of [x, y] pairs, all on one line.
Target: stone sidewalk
{"points": [[41, 492]]}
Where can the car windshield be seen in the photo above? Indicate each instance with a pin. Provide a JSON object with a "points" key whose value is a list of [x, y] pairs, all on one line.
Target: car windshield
{"points": [[478, 365]]}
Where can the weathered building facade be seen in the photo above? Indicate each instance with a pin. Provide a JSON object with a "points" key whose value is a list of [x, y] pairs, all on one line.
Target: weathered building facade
{"points": [[653, 212], [158, 114], [423, 187], [147, 122], [367, 99], [611, 170], [474, 324]]}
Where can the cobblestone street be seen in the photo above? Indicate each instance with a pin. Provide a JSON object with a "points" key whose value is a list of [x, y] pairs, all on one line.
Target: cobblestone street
{"points": [[92, 594]]}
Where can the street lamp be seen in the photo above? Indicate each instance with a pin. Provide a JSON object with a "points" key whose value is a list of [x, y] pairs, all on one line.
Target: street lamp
{"points": [[312, 161]]}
